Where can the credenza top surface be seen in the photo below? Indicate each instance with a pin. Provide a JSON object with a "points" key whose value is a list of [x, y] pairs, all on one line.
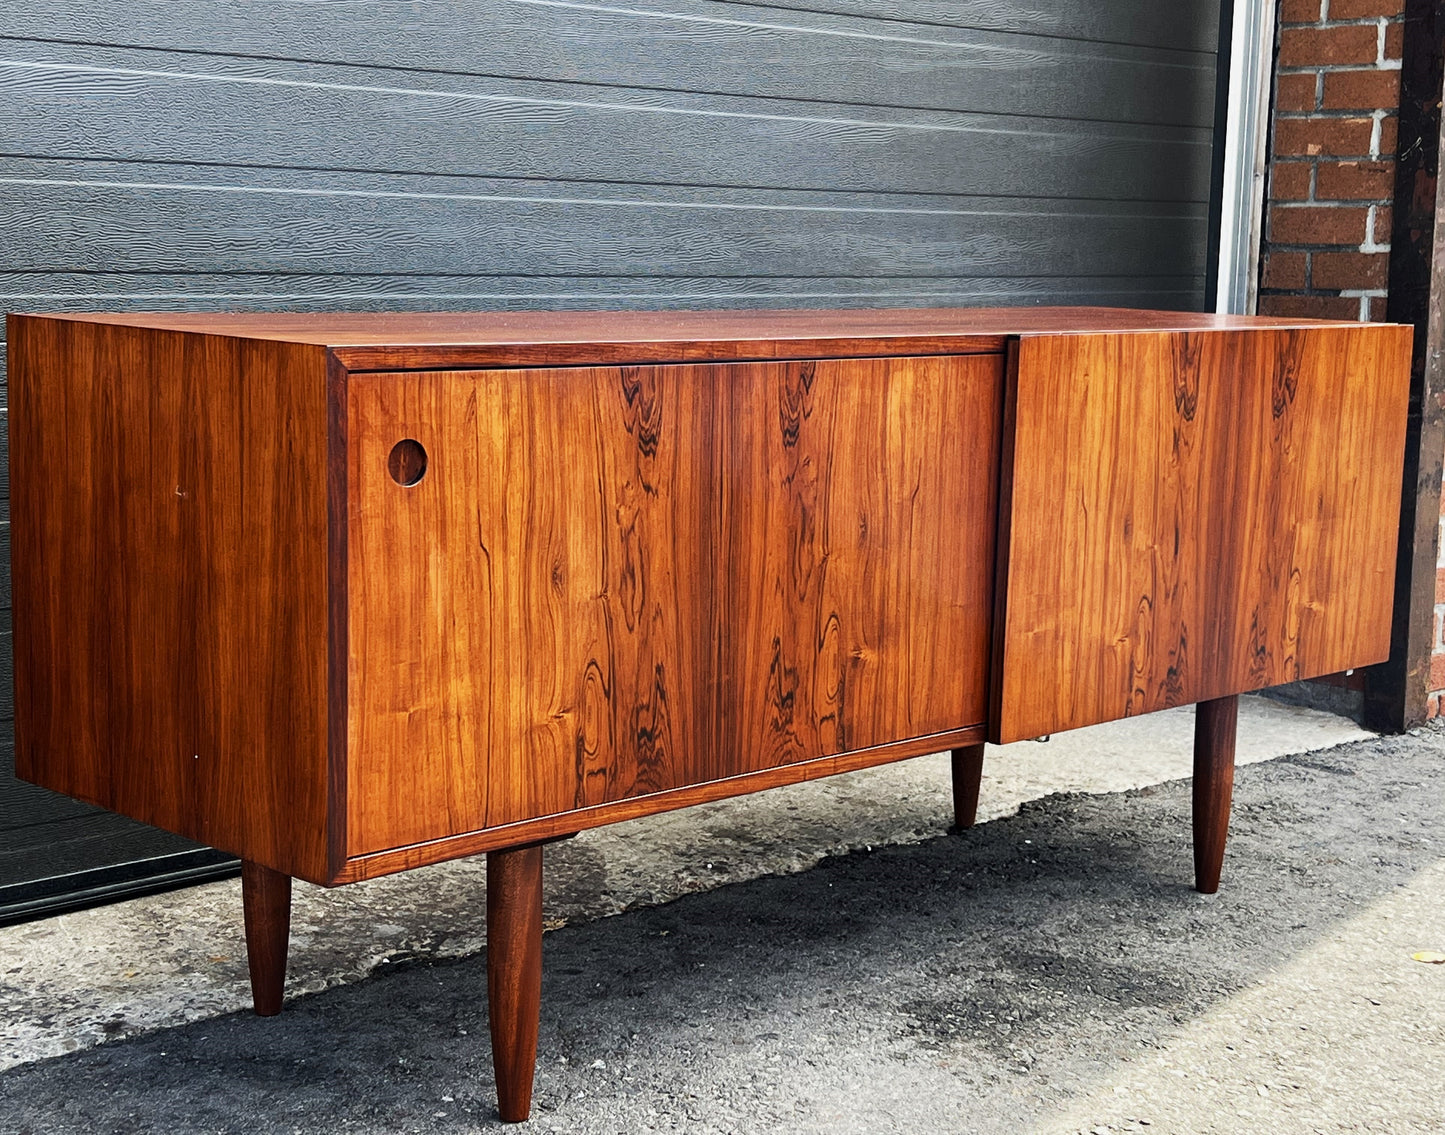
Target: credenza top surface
{"points": [[386, 340]]}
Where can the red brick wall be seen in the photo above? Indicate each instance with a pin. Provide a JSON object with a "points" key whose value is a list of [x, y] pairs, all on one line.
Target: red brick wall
{"points": [[1332, 181], [1332, 169]]}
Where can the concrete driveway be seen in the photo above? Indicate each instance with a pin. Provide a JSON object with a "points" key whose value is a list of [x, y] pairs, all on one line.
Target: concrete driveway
{"points": [[1050, 971]]}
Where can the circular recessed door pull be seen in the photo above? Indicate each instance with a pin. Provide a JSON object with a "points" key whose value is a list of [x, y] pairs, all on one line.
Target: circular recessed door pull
{"points": [[407, 462]]}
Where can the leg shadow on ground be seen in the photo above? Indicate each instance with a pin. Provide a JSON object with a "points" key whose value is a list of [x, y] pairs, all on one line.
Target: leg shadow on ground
{"points": [[970, 983]]}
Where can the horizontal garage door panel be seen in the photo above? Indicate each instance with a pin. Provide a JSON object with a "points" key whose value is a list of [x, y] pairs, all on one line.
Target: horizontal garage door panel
{"points": [[168, 220], [337, 118], [905, 54]]}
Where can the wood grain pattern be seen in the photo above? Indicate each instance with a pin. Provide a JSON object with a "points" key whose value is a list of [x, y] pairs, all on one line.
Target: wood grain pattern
{"points": [[338, 616], [565, 824], [1195, 515], [1215, 727], [514, 973], [435, 340], [266, 903], [621, 589], [170, 581], [967, 768], [614, 582]]}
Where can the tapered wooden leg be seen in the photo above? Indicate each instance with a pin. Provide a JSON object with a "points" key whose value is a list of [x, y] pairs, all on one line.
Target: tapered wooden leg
{"points": [[266, 899], [514, 973], [1214, 732], [967, 772]]}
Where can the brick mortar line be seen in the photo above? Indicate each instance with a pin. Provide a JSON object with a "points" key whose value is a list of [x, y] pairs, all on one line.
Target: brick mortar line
{"points": [[1344, 21], [1335, 114], [1377, 67], [1326, 249]]}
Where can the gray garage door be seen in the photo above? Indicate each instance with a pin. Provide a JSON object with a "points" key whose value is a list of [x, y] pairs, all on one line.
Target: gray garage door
{"points": [[529, 153]]}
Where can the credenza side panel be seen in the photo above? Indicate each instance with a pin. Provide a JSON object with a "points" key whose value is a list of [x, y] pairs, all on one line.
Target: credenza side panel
{"points": [[615, 582], [169, 566], [1193, 515]]}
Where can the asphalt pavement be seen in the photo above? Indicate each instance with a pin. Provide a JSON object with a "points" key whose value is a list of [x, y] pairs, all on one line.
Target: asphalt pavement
{"points": [[1049, 971]]}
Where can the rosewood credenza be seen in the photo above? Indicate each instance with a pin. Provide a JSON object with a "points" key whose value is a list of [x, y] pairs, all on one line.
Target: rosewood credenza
{"points": [[348, 594]]}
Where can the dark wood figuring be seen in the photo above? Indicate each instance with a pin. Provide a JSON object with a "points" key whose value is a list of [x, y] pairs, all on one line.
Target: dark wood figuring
{"points": [[168, 494], [514, 973], [665, 633], [615, 582], [1214, 733], [1194, 515], [266, 900], [967, 763]]}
